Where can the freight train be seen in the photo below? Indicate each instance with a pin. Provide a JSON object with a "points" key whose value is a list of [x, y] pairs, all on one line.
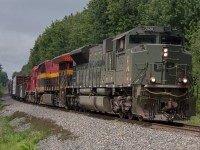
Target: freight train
{"points": [[145, 73]]}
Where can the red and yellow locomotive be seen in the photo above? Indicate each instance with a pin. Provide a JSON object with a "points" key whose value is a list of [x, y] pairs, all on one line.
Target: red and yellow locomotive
{"points": [[47, 82]]}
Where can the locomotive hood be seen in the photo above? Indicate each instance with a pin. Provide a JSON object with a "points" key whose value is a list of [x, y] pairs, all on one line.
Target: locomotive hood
{"points": [[163, 64]]}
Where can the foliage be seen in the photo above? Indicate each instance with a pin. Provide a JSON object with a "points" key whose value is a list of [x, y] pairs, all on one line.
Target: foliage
{"points": [[195, 47], [3, 79], [195, 120], [26, 140], [14, 74], [1, 93], [96, 21], [1, 106], [11, 139], [182, 14], [1, 68], [123, 15]]}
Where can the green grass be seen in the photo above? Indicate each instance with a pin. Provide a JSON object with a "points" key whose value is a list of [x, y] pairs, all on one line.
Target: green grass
{"points": [[2, 106], [26, 140], [195, 120]]}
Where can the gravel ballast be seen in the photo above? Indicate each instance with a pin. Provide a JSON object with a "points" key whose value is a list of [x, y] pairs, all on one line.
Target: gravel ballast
{"points": [[94, 133]]}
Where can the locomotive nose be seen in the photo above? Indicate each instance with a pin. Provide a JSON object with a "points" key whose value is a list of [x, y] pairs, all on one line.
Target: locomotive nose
{"points": [[171, 66], [176, 66]]}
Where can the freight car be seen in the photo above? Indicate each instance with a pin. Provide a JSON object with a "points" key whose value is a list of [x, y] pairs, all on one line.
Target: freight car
{"points": [[10, 86], [144, 73], [31, 92], [19, 85]]}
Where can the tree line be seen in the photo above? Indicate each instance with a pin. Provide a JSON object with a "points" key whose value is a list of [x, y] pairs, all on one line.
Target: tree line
{"points": [[105, 18], [3, 80]]}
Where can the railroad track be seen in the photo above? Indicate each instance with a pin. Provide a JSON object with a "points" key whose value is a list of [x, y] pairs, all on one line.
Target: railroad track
{"points": [[161, 125], [178, 127]]}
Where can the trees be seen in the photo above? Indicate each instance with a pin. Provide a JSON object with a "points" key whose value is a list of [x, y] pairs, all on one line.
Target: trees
{"points": [[195, 48], [3, 79], [14, 74], [122, 15], [96, 24], [1, 68]]}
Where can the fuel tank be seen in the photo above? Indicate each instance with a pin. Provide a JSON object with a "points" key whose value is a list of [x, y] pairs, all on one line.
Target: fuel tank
{"points": [[97, 103]]}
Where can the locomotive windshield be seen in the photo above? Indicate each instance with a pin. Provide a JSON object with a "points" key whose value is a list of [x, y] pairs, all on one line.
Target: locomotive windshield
{"points": [[166, 39], [151, 39], [139, 39]]}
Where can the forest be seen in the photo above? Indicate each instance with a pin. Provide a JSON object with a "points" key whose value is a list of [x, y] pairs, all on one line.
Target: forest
{"points": [[3, 80], [105, 18]]}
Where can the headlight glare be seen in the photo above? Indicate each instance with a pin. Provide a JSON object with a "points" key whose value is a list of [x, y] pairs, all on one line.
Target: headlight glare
{"points": [[153, 79], [165, 50], [185, 80], [165, 54]]}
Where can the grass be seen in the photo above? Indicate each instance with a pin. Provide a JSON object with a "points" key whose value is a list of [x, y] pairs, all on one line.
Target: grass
{"points": [[1, 93], [2, 106], [26, 140], [195, 120]]}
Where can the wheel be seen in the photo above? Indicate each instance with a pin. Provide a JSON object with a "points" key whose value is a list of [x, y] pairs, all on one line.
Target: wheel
{"points": [[80, 109], [170, 118], [76, 108], [140, 118], [38, 100], [121, 114], [66, 107], [130, 115]]}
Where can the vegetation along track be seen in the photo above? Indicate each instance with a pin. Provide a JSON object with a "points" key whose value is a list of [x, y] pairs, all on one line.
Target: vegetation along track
{"points": [[161, 125]]}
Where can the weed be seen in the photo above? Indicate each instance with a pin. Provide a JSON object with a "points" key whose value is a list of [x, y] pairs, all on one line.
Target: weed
{"points": [[26, 140], [46, 126], [2, 106], [195, 120]]}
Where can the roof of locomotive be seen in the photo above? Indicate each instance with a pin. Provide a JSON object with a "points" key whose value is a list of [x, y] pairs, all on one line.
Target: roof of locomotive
{"points": [[62, 58], [150, 29], [81, 54], [48, 66], [35, 68], [43, 63]]}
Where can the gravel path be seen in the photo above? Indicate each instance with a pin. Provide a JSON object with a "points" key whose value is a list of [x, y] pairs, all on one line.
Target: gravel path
{"points": [[98, 134]]}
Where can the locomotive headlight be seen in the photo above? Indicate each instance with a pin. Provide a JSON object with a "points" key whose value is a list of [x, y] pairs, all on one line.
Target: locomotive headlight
{"points": [[185, 80], [165, 54], [153, 79], [165, 50]]}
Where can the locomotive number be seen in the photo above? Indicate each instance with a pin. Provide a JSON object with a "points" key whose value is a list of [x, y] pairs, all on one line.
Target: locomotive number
{"points": [[148, 28]]}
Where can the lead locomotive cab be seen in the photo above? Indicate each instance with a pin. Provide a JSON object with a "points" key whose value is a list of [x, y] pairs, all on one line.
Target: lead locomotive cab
{"points": [[161, 74], [145, 72]]}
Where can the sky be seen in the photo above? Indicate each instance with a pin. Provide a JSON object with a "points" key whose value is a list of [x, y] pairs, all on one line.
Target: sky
{"points": [[22, 21]]}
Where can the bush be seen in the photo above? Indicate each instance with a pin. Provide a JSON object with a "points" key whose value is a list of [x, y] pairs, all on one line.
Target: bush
{"points": [[1, 93]]}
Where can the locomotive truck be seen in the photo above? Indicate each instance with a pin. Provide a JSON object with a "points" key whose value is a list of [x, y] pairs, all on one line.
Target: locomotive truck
{"points": [[145, 73]]}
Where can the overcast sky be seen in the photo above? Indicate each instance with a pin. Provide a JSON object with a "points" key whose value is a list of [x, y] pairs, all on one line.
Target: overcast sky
{"points": [[22, 21]]}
